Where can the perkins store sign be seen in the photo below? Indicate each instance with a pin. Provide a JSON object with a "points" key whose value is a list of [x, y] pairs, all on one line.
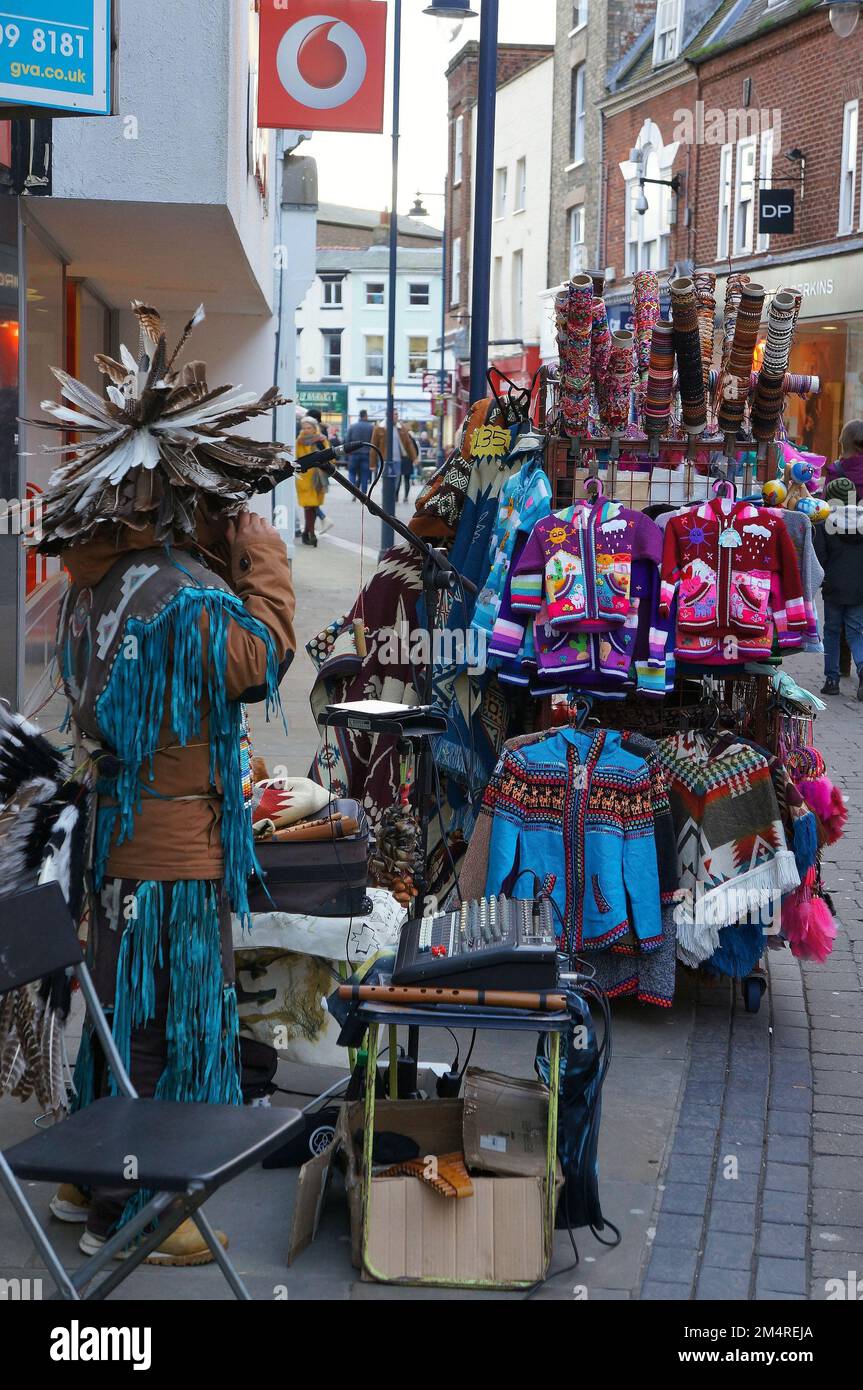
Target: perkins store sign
{"points": [[56, 55]]}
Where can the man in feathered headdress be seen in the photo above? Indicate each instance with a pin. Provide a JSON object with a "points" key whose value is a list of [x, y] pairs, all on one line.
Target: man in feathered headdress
{"points": [[180, 608]]}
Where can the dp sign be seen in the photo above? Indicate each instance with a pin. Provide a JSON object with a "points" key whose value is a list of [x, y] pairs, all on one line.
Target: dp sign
{"points": [[322, 64], [776, 210]]}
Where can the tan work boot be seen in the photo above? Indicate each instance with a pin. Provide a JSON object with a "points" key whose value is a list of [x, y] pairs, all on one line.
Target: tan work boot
{"points": [[185, 1247], [69, 1203]]}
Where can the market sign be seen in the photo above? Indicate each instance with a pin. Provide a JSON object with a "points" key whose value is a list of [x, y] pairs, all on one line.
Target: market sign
{"points": [[55, 56], [322, 64], [332, 399], [775, 211]]}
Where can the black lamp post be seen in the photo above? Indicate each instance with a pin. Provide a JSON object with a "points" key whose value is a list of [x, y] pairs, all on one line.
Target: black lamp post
{"points": [[418, 210]]}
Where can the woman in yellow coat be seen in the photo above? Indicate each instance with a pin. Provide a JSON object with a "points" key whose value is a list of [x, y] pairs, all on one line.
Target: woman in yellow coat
{"points": [[310, 487]]}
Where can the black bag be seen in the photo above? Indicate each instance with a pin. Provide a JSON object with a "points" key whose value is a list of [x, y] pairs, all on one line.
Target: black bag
{"points": [[327, 878]]}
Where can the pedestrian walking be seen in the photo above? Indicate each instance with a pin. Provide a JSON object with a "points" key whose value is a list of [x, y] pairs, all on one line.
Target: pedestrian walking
{"points": [[839, 547], [404, 451], [310, 484], [357, 441]]}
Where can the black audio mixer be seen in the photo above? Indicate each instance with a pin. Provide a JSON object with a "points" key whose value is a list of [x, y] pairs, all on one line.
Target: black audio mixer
{"points": [[491, 943]]}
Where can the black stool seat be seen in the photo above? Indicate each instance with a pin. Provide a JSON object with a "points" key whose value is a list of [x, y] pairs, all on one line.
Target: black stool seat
{"points": [[174, 1144]]}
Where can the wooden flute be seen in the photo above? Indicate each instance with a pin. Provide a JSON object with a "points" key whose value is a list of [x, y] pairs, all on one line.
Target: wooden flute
{"points": [[423, 994]]}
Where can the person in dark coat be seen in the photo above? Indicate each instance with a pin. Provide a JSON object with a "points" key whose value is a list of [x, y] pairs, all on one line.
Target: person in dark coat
{"points": [[839, 547]]}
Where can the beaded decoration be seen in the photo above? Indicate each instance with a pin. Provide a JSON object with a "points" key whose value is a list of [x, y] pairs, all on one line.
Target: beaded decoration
{"points": [[734, 382], [770, 387], [687, 348], [645, 312], [660, 378], [618, 389]]}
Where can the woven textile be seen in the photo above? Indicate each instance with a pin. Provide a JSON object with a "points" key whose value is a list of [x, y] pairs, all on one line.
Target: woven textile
{"points": [[574, 316], [705, 294], [600, 347], [733, 859]]}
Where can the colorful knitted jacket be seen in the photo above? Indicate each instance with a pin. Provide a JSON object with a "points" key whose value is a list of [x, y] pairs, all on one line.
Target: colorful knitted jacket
{"points": [[580, 561], [733, 857], [525, 499], [736, 575], [578, 805]]}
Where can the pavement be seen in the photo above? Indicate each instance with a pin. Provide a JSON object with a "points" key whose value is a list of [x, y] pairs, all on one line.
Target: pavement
{"points": [[731, 1152]]}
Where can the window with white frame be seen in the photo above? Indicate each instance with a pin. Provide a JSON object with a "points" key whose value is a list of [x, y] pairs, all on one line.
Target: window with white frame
{"points": [[374, 354], [332, 353], [331, 291], [577, 116], [848, 168], [521, 184], [501, 178], [648, 234], [497, 297], [666, 36], [375, 293], [765, 179], [458, 151], [455, 272], [418, 355], [723, 219], [744, 196], [579, 14], [517, 294], [418, 294], [577, 247]]}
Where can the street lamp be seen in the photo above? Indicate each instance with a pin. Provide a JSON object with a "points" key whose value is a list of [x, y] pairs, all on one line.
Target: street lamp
{"points": [[419, 210], [843, 15], [450, 9], [641, 204]]}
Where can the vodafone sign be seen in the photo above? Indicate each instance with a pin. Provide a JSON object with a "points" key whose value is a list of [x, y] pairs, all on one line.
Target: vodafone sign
{"points": [[322, 64]]}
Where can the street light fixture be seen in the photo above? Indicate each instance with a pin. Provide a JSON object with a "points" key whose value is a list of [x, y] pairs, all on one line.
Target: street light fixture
{"points": [[641, 204], [843, 15], [419, 210], [450, 9]]}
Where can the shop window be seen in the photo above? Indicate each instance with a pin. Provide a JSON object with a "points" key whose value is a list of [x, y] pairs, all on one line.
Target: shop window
{"points": [[375, 292], [648, 233], [418, 356], [765, 179], [332, 342], [331, 291], [577, 246], [418, 294], [666, 38], [848, 169], [744, 196], [374, 354], [497, 297], [577, 116]]}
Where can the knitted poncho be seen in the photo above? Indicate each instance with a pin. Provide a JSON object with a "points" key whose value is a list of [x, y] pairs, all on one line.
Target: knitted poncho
{"points": [[733, 858]]}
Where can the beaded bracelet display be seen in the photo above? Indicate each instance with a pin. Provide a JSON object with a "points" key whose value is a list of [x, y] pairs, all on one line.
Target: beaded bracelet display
{"points": [[618, 387], [734, 287], [600, 347], [687, 349], [660, 378], [645, 312], [705, 294], [770, 387], [734, 383]]}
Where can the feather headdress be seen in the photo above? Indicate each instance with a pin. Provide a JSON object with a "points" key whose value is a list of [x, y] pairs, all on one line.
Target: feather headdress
{"points": [[159, 444]]}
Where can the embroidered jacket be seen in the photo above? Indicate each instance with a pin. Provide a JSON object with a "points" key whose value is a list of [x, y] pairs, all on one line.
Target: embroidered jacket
{"points": [[580, 561], [525, 499], [735, 571], [580, 806]]}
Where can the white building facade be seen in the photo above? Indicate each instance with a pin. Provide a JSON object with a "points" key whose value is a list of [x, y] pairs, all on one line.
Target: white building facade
{"points": [[342, 333]]}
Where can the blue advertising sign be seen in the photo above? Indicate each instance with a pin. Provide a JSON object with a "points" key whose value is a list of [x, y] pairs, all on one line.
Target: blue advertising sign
{"points": [[56, 54]]}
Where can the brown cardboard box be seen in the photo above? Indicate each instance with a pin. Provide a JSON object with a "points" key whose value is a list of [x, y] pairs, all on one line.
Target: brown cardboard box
{"points": [[505, 1124], [495, 1238]]}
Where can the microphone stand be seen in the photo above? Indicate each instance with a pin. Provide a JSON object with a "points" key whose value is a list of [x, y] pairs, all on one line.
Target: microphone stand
{"points": [[438, 576]]}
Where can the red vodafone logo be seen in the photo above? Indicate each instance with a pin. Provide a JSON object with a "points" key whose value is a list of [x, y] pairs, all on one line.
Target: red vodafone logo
{"points": [[322, 65]]}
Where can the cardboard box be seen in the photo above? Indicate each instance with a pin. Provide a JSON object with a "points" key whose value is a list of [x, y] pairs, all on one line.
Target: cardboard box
{"points": [[495, 1238]]}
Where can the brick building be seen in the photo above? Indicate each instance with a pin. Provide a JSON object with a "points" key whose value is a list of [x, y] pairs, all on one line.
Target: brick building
{"points": [[749, 95]]}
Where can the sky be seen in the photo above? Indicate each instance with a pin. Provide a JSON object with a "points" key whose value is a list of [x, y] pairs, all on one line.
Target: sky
{"points": [[356, 169]]}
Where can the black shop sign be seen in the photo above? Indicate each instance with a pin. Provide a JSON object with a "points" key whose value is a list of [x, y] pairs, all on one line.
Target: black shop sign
{"points": [[775, 210]]}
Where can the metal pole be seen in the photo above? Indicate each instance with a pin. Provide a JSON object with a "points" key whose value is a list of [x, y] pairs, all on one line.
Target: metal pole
{"points": [[441, 416], [483, 186], [390, 479]]}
